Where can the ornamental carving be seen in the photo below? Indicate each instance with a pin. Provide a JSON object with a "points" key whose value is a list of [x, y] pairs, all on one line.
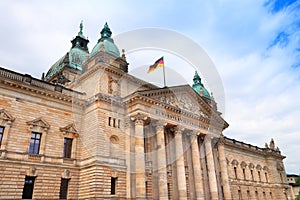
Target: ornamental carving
{"points": [[183, 102], [243, 164], [251, 166], [39, 122], [159, 125], [69, 129], [139, 119], [258, 167], [235, 162], [66, 174], [32, 171], [5, 117], [280, 166]]}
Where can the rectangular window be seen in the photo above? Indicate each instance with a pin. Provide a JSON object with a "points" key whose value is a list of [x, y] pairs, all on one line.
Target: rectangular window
{"points": [[1, 134], [67, 147], [63, 192], [119, 123], [252, 176], [114, 122], [28, 187], [248, 195], [109, 121], [235, 173], [266, 176], [35, 142], [113, 185], [259, 177]]}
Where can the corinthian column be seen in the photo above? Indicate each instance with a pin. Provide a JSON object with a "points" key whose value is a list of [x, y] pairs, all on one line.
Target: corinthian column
{"points": [[197, 166], [180, 164], [211, 168], [224, 171], [140, 187], [161, 161]]}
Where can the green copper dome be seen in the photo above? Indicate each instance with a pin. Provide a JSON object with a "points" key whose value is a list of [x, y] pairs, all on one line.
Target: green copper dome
{"points": [[199, 87], [106, 43], [74, 58]]}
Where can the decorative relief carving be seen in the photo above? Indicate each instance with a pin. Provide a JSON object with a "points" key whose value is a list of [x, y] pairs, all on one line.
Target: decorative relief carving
{"points": [[280, 166], [66, 174], [139, 119], [159, 125], [243, 164], [69, 129], [32, 171], [5, 116], [258, 167], [113, 86], [114, 139], [251, 166], [183, 102], [114, 174], [38, 123], [235, 162]]}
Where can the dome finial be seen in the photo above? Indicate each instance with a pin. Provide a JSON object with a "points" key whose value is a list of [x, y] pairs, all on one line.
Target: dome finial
{"points": [[80, 28], [106, 32]]}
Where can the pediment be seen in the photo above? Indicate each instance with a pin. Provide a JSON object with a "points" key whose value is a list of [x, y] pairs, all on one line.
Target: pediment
{"points": [[181, 97], [69, 129], [40, 122], [4, 115]]}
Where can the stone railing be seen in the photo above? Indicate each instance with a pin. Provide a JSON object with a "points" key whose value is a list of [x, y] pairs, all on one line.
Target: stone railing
{"points": [[27, 79], [249, 146]]}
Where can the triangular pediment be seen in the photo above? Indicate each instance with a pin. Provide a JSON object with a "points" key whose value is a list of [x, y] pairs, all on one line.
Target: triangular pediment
{"points": [[40, 122], [69, 129], [181, 97], [4, 115]]}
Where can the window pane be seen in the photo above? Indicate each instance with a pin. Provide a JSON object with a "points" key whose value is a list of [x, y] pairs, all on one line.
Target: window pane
{"points": [[67, 147], [1, 134], [34, 143]]}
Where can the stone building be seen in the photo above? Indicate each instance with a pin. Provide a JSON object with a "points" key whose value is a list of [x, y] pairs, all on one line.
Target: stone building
{"points": [[89, 130], [292, 180]]}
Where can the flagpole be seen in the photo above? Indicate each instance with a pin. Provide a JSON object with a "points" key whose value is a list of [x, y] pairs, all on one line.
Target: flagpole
{"points": [[164, 74]]}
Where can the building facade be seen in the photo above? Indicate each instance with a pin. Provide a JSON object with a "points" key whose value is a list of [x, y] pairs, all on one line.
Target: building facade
{"points": [[292, 180], [89, 130]]}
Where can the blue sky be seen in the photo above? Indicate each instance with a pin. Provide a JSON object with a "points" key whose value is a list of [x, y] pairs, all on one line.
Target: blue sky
{"points": [[254, 45]]}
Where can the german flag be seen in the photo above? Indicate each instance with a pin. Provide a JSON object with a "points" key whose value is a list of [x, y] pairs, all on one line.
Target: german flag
{"points": [[158, 63]]}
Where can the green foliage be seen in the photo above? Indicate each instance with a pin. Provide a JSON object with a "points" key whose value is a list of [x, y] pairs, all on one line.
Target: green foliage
{"points": [[298, 196], [298, 180]]}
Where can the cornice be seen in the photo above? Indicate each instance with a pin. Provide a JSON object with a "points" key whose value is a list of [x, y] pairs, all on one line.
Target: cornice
{"points": [[255, 149]]}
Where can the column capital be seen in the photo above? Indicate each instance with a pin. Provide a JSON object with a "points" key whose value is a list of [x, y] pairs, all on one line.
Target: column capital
{"points": [[193, 134], [221, 140], [159, 125], [139, 118], [177, 130]]}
